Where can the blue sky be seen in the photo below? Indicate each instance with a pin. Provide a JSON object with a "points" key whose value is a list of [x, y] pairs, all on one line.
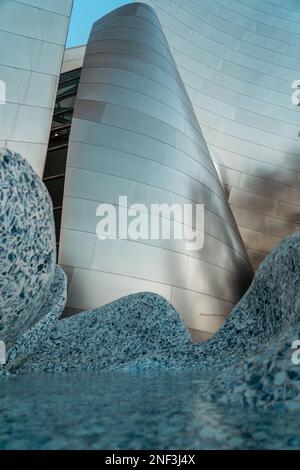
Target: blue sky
{"points": [[85, 13]]}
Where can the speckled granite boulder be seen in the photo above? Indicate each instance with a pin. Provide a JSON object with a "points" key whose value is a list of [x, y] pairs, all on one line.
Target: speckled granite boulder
{"points": [[38, 333], [268, 379], [248, 360], [266, 311], [137, 332], [255, 345], [27, 246]]}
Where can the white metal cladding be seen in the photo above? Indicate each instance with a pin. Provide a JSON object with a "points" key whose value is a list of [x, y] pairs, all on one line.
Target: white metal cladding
{"points": [[32, 41], [73, 58], [238, 59], [134, 133]]}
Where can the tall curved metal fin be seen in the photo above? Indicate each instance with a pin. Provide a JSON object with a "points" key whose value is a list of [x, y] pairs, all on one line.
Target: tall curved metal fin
{"points": [[134, 133]]}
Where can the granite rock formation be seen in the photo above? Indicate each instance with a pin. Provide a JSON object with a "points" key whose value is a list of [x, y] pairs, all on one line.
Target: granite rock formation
{"points": [[27, 247], [248, 360]]}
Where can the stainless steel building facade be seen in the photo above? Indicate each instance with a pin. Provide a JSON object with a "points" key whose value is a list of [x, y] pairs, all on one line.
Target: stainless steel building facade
{"points": [[238, 60], [32, 42], [134, 132], [178, 102]]}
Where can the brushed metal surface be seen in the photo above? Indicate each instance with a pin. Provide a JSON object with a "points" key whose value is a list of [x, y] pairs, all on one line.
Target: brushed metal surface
{"points": [[32, 43], [238, 59], [134, 132]]}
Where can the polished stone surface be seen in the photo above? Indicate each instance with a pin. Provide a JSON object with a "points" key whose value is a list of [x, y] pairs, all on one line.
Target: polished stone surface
{"points": [[27, 246], [248, 360], [119, 410], [49, 313]]}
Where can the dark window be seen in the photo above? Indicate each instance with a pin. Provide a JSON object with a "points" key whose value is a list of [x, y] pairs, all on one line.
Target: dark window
{"points": [[55, 165]]}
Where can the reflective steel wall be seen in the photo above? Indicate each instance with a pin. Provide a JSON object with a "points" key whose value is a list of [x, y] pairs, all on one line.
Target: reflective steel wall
{"points": [[32, 41], [73, 58], [238, 59], [134, 133]]}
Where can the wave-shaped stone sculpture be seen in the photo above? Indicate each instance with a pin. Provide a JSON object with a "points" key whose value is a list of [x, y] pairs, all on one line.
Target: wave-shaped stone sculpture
{"points": [[27, 247], [259, 346], [247, 360]]}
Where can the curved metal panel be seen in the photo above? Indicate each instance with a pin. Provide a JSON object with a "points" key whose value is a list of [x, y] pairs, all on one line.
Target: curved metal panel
{"points": [[32, 41], [134, 133], [238, 59], [73, 58]]}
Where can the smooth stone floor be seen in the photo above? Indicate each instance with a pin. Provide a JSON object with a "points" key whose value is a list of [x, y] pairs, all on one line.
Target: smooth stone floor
{"points": [[133, 410]]}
